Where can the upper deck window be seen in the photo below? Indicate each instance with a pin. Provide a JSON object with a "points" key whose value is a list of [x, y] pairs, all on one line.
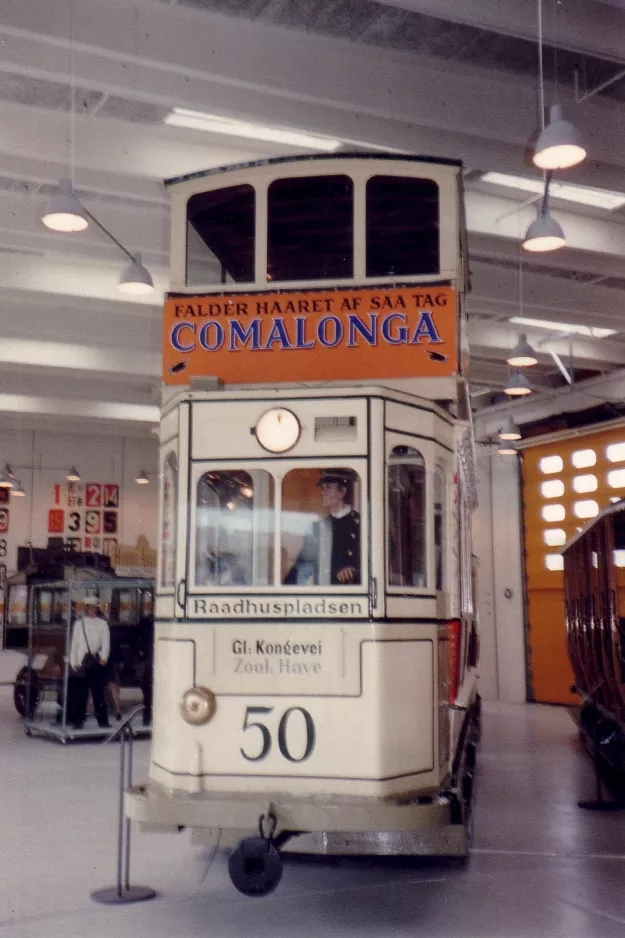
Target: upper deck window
{"points": [[310, 228], [220, 236], [402, 216]]}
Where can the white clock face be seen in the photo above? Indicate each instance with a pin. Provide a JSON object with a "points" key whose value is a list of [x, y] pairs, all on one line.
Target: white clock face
{"points": [[278, 430]]}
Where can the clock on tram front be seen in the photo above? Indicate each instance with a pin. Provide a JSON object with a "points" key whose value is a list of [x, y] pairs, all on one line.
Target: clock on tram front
{"points": [[278, 430]]}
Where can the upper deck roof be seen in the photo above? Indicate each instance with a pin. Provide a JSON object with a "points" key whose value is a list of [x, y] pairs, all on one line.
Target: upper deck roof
{"points": [[281, 160]]}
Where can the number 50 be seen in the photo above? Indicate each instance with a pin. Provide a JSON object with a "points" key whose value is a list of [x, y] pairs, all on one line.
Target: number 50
{"points": [[266, 739]]}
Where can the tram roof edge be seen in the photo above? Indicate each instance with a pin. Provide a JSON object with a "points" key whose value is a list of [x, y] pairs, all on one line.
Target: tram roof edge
{"points": [[612, 509], [316, 157]]}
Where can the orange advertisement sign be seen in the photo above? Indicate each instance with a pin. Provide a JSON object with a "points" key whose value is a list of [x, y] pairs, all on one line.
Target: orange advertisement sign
{"points": [[317, 335]]}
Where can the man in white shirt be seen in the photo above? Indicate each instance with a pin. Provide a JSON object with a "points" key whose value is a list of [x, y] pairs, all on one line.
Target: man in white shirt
{"points": [[90, 636]]}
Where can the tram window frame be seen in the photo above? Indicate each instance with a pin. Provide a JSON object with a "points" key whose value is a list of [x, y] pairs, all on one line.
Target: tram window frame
{"points": [[440, 528], [261, 568], [246, 229], [389, 254], [312, 226], [402, 456], [170, 463], [277, 471]]}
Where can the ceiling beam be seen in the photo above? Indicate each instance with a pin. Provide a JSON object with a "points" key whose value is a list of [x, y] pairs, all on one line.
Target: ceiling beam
{"points": [[494, 340], [25, 404], [582, 27], [183, 56], [490, 214]]}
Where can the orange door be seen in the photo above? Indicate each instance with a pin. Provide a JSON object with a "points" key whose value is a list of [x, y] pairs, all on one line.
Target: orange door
{"points": [[565, 484]]}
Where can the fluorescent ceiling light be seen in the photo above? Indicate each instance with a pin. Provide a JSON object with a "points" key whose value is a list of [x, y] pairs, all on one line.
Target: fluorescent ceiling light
{"points": [[196, 120], [593, 332], [582, 195]]}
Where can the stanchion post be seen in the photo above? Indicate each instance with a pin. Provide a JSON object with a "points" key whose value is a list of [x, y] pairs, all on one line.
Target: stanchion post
{"points": [[123, 892]]}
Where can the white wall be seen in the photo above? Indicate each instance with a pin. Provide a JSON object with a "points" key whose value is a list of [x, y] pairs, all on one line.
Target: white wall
{"points": [[40, 460], [497, 542]]}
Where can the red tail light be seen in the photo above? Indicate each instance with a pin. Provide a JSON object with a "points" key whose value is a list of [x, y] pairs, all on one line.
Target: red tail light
{"points": [[454, 631]]}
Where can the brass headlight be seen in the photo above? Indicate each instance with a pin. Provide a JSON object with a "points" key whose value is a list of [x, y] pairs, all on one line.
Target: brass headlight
{"points": [[198, 705]]}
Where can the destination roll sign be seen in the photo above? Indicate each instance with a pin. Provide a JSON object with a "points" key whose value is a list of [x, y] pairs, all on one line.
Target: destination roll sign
{"points": [[324, 335]]}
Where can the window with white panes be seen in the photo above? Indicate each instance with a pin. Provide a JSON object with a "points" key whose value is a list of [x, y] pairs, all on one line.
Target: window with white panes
{"points": [[551, 464], [585, 483], [584, 458], [615, 452]]}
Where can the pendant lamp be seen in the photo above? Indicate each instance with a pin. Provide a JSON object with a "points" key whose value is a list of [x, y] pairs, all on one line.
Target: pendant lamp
{"points": [[136, 279], [522, 355], [18, 490], [7, 478], [507, 450], [560, 144], [509, 431], [64, 211], [544, 233], [142, 478], [517, 385]]}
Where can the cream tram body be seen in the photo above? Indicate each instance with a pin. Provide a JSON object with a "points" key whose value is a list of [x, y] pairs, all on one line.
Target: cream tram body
{"points": [[325, 704]]}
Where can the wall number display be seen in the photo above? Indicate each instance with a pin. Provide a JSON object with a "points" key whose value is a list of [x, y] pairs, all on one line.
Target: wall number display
{"points": [[83, 511], [93, 495], [4, 520], [93, 522], [73, 524], [110, 496], [261, 747], [56, 521], [109, 522], [3, 547]]}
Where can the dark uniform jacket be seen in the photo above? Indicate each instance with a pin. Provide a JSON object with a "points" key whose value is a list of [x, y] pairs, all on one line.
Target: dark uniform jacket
{"points": [[331, 545]]}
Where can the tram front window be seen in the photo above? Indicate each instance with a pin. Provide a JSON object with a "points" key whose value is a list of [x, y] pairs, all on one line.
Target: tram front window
{"points": [[234, 528], [407, 518], [320, 528]]}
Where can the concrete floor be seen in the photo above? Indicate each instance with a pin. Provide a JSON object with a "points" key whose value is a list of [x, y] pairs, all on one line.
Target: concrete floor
{"points": [[540, 867]]}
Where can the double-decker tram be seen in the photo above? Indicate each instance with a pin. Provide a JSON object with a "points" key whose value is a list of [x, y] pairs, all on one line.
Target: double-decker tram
{"points": [[316, 634]]}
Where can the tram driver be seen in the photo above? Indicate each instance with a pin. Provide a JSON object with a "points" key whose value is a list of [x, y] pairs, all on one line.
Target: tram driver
{"points": [[330, 554]]}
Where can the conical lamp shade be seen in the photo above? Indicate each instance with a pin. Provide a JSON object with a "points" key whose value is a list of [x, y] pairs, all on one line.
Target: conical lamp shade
{"points": [[7, 479], [142, 478], [522, 355], [517, 386], [560, 144], [507, 449], [18, 490], [544, 234], [136, 279], [509, 431], [64, 211]]}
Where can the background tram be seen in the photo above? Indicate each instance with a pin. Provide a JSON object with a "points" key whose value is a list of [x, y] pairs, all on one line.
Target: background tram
{"points": [[316, 635], [594, 584]]}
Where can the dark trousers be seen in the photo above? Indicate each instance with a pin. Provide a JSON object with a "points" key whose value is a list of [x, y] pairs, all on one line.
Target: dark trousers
{"points": [[93, 680]]}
